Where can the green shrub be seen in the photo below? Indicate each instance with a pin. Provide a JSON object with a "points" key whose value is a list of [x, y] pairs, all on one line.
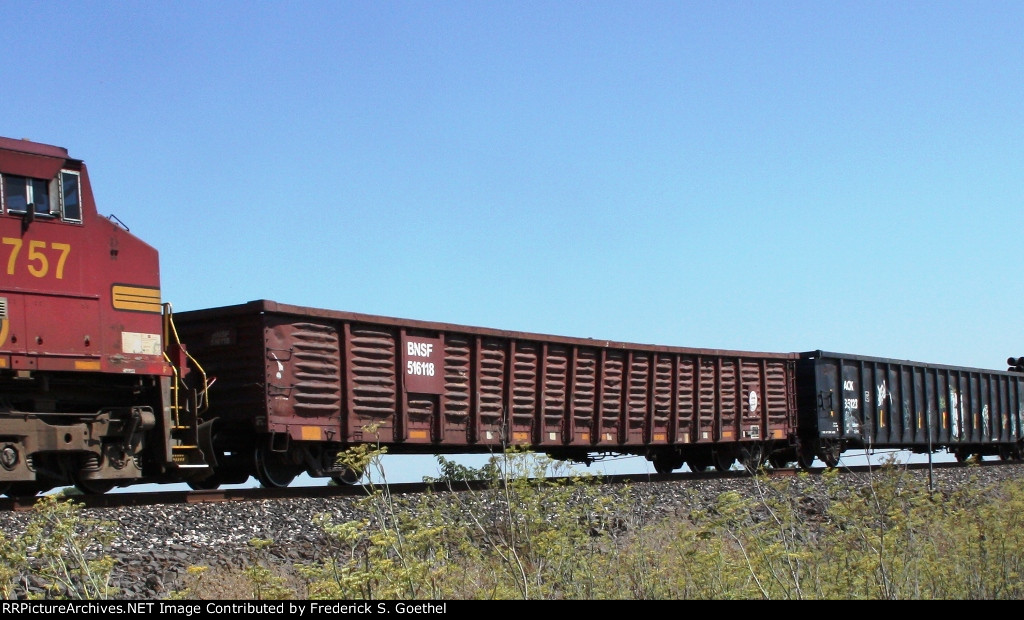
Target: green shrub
{"points": [[63, 550]]}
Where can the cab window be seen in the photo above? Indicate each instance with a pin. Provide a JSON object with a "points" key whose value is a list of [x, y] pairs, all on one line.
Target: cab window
{"points": [[20, 192], [70, 196], [60, 197]]}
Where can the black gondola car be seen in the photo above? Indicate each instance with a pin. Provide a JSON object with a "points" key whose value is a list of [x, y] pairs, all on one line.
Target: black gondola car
{"points": [[850, 402]]}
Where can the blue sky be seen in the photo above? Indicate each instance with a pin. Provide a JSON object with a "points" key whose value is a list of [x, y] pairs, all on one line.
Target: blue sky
{"points": [[764, 176]]}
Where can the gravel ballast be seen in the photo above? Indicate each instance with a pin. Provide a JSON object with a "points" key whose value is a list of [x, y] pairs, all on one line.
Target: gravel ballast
{"points": [[155, 545]]}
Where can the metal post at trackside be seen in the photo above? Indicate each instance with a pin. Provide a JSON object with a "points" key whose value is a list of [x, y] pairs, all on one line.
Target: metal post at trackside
{"points": [[931, 487]]}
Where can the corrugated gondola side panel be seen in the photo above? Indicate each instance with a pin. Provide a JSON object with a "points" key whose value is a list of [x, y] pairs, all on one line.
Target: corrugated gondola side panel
{"points": [[778, 398], [489, 383], [1016, 407], [1000, 414], [983, 406], [554, 397], [458, 402], [889, 419], [1009, 393], [960, 408], [524, 390], [686, 422], [585, 395], [753, 425], [885, 403], [938, 409], [977, 411], [865, 423], [949, 406], [659, 423], [728, 401], [707, 385], [612, 393], [930, 424], [637, 410], [905, 432], [998, 417], [964, 420], [371, 382], [302, 368]]}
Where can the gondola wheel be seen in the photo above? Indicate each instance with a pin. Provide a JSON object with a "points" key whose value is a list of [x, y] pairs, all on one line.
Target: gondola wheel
{"points": [[805, 455], [830, 453], [723, 460], [667, 463], [349, 477], [752, 458], [272, 470], [699, 464]]}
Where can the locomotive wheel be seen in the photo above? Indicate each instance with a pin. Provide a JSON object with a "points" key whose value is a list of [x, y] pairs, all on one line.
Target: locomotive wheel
{"points": [[93, 487], [272, 470], [206, 484], [25, 489]]}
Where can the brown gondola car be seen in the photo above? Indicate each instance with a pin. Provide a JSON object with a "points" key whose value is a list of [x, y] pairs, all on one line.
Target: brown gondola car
{"points": [[295, 385]]}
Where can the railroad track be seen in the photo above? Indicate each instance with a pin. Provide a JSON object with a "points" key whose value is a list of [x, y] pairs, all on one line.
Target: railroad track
{"points": [[152, 498]]}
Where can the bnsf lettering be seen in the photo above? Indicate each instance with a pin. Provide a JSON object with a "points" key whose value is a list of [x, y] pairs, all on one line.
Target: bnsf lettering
{"points": [[37, 257], [425, 369], [420, 349]]}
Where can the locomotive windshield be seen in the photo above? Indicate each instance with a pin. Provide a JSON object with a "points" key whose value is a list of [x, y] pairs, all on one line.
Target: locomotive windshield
{"points": [[19, 192], [59, 197]]}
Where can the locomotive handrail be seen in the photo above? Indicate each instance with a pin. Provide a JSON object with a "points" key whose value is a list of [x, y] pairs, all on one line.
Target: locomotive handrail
{"points": [[173, 330]]}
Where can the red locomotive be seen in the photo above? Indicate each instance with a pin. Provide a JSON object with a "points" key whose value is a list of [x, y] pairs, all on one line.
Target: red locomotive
{"points": [[93, 392], [97, 388]]}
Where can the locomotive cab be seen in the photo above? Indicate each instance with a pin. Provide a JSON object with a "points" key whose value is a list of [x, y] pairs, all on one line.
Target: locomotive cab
{"points": [[86, 392]]}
